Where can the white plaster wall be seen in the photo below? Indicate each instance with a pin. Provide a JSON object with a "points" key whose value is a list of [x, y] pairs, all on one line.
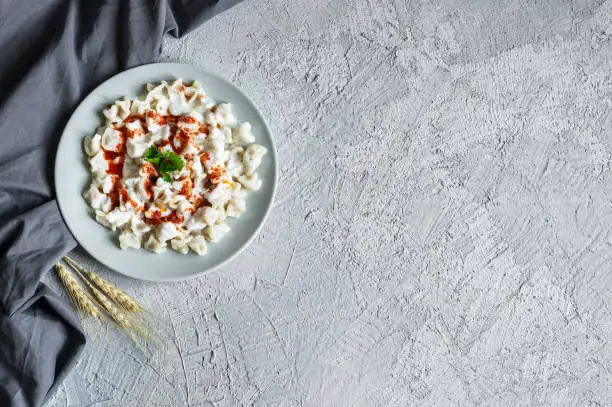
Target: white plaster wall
{"points": [[441, 233]]}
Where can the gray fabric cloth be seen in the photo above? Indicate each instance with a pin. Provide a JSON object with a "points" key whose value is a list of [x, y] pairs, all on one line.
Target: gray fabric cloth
{"points": [[53, 53]]}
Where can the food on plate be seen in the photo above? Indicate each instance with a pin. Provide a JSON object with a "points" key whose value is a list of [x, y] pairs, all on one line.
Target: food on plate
{"points": [[168, 170]]}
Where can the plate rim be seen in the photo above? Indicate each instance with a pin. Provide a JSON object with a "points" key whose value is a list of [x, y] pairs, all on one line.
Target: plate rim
{"points": [[239, 250]]}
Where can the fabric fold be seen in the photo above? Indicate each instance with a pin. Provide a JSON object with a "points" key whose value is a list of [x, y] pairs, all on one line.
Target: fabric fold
{"points": [[54, 52]]}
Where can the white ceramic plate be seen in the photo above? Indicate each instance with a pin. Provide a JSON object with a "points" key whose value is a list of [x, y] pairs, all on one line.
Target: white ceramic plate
{"points": [[72, 176]]}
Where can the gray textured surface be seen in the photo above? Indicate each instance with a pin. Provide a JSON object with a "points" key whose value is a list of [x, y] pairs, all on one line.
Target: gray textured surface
{"points": [[441, 235]]}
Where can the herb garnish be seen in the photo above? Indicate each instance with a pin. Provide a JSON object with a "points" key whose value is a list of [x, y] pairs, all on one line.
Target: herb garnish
{"points": [[165, 162]]}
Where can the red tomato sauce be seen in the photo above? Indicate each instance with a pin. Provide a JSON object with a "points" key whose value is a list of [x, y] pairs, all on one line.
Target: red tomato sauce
{"points": [[178, 140], [157, 219]]}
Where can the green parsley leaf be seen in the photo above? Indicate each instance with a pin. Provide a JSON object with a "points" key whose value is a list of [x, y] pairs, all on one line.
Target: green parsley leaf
{"points": [[153, 155], [172, 161], [165, 162]]}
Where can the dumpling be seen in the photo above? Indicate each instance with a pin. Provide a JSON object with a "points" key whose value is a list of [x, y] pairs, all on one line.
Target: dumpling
{"points": [[198, 244], [177, 104], [154, 121], [161, 105], [251, 182], [98, 200], [118, 217], [123, 108], [235, 207], [92, 144], [138, 226], [160, 134], [166, 231], [242, 134], [214, 233], [112, 114], [191, 148], [154, 91], [135, 128], [101, 219], [190, 122], [180, 244], [196, 222], [217, 134], [138, 107], [162, 192], [225, 116], [197, 172], [184, 208], [207, 215], [118, 111], [178, 201], [105, 181], [136, 190], [252, 157], [98, 163], [136, 147], [234, 164], [131, 167], [111, 140], [128, 239], [154, 245], [220, 194]]}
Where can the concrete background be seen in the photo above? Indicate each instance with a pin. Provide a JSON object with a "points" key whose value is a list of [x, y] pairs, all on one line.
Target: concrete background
{"points": [[441, 233]]}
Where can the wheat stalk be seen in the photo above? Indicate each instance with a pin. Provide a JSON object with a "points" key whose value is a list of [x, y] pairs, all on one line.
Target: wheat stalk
{"points": [[82, 302], [121, 317], [116, 314], [113, 292], [113, 311]]}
